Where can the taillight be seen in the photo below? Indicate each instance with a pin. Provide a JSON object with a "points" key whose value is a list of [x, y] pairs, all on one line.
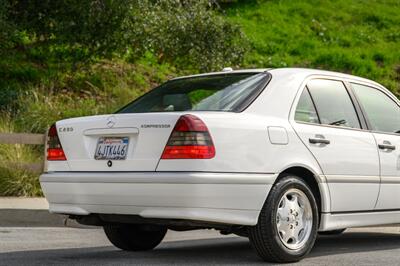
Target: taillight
{"points": [[190, 139], [54, 150]]}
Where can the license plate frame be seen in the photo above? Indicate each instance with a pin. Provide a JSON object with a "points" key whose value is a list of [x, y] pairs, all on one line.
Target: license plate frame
{"points": [[111, 148]]}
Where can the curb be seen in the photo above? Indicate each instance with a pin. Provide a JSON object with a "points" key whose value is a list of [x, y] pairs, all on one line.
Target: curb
{"points": [[31, 212]]}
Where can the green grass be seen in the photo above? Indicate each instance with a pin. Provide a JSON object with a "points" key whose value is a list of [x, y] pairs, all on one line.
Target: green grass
{"points": [[352, 36], [102, 87], [14, 179]]}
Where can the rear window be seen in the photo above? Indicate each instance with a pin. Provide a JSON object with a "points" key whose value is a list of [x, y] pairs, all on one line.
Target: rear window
{"points": [[226, 92]]}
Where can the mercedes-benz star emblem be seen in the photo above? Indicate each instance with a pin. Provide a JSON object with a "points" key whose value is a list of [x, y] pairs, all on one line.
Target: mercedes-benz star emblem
{"points": [[111, 121]]}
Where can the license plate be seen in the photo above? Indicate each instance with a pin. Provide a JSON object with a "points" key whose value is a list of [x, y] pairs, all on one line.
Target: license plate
{"points": [[111, 148]]}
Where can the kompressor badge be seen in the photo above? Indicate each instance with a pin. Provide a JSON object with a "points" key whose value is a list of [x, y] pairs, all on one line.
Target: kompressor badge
{"points": [[155, 126]]}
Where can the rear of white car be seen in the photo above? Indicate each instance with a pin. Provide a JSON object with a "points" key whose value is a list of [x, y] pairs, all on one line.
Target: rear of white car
{"points": [[193, 165], [157, 178], [193, 153]]}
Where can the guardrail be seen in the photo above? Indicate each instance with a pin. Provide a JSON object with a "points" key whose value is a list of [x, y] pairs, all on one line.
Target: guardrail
{"points": [[24, 138]]}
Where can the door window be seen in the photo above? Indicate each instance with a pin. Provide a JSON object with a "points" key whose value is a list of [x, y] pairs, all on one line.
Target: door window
{"points": [[333, 103], [305, 111], [382, 112]]}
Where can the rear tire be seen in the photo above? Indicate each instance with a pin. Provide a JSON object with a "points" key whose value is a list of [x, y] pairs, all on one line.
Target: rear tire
{"points": [[288, 222], [332, 232], [132, 237]]}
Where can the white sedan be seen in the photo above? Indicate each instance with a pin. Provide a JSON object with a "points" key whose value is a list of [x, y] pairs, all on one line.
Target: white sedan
{"points": [[276, 155]]}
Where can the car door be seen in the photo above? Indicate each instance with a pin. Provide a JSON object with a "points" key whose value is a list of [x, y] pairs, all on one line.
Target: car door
{"points": [[327, 121], [383, 115]]}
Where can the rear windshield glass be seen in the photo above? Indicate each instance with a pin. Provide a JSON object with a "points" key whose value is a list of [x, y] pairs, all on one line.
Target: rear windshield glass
{"points": [[227, 92]]}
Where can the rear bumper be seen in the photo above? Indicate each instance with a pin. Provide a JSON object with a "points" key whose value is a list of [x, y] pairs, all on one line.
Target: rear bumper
{"points": [[230, 198]]}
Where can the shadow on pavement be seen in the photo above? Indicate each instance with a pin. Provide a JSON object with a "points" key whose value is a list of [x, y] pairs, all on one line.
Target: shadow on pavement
{"points": [[355, 242], [199, 252]]}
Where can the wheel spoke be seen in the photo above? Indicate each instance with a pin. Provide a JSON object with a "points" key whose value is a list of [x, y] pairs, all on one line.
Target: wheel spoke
{"points": [[295, 200], [287, 235], [283, 226], [287, 207], [282, 213]]}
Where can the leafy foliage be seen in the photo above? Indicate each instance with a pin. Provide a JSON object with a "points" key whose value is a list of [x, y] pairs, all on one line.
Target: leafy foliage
{"points": [[6, 28], [188, 33], [93, 26]]}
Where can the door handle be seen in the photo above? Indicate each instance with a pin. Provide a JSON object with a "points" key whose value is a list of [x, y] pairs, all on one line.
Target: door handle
{"points": [[387, 146], [319, 141]]}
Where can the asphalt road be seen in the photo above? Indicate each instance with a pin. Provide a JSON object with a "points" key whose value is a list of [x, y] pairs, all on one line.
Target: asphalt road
{"points": [[68, 246]]}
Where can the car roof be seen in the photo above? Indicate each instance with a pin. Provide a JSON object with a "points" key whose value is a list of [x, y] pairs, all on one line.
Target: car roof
{"points": [[303, 72], [239, 71]]}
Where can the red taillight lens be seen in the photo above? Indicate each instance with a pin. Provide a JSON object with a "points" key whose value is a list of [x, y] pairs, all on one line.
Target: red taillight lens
{"points": [[190, 139], [54, 150]]}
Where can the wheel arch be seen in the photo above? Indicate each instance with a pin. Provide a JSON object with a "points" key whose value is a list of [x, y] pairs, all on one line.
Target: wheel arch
{"points": [[315, 181]]}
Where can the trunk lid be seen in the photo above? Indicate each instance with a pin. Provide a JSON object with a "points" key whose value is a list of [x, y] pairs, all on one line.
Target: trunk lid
{"points": [[148, 134]]}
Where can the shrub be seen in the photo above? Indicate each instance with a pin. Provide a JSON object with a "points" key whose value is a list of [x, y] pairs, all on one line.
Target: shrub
{"points": [[6, 28], [189, 33], [93, 25]]}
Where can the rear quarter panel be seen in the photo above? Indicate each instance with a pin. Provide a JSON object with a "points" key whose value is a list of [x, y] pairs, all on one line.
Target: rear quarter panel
{"points": [[243, 144]]}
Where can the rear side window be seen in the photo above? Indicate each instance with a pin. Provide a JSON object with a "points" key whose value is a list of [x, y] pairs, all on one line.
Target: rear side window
{"points": [[305, 111], [382, 112], [226, 92], [333, 103]]}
